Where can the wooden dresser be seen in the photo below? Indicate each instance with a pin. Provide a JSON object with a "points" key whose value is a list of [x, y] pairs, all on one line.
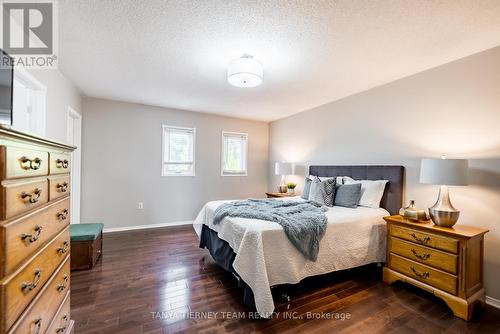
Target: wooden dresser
{"points": [[34, 235], [447, 262]]}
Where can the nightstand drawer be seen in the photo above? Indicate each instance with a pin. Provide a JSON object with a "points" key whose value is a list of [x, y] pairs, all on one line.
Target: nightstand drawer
{"points": [[426, 239], [423, 273], [431, 257]]}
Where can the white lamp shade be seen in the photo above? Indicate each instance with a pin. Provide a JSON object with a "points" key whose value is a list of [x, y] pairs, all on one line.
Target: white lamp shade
{"points": [[449, 172], [283, 168], [245, 72]]}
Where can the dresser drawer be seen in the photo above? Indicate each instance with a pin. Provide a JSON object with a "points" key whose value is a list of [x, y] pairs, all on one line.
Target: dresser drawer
{"points": [[59, 186], [423, 273], [19, 289], [60, 163], [23, 195], [24, 162], [22, 237], [426, 239], [429, 256], [37, 318], [61, 321]]}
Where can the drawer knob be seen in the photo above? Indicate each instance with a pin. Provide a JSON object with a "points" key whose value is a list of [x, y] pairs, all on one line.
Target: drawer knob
{"points": [[63, 215], [423, 240], [62, 286], [27, 163], [30, 238], [419, 274], [28, 286], [32, 198], [62, 163], [38, 325], [64, 322], [64, 248], [421, 256], [62, 187]]}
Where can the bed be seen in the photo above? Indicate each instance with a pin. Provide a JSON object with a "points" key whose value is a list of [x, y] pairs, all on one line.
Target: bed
{"points": [[259, 254]]}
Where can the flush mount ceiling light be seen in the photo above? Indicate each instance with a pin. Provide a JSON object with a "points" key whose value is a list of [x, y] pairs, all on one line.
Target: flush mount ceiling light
{"points": [[245, 71]]}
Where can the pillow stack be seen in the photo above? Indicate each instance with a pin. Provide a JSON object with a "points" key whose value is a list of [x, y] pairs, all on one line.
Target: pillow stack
{"points": [[371, 191], [344, 191], [322, 192]]}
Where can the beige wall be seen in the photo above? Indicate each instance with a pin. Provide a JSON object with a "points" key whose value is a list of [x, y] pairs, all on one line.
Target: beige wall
{"points": [[122, 164], [61, 93], [452, 109]]}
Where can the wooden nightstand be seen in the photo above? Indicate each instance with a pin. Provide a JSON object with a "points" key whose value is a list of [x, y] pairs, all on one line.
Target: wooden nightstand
{"points": [[277, 195], [447, 262]]}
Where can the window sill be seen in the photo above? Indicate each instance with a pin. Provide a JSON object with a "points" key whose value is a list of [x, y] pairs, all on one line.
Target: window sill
{"points": [[233, 174]]}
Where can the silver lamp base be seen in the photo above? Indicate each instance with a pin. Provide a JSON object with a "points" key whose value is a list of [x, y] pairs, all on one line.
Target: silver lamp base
{"points": [[443, 213]]}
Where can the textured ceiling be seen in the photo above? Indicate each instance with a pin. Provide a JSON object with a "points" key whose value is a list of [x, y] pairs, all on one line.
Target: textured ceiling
{"points": [[175, 53]]}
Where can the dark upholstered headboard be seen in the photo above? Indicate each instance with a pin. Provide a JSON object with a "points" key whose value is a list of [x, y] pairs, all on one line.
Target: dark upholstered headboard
{"points": [[393, 194]]}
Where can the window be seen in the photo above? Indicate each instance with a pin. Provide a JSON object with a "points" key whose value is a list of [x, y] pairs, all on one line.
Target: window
{"points": [[234, 154], [178, 151]]}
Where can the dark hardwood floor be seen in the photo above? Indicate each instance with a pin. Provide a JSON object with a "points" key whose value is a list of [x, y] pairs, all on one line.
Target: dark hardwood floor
{"points": [[154, 281]]}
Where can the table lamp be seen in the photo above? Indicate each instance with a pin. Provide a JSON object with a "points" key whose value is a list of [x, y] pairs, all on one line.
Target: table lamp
{"points": [[444, 172], [283, 169]]}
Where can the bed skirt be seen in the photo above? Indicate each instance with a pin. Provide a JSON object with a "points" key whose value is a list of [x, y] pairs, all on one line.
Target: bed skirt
{"points": [[224, 256]]}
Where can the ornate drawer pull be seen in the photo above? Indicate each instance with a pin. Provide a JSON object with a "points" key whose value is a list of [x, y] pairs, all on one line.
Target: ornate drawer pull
{"points": [[38, 325], [423, 240], [31, 285], [62, 163], [419, 274], [63, 215], [421, 256], [33, 164], [62, 286], [64, 248], [62, 187], [61, 329], [32, 198], [30, 238]]}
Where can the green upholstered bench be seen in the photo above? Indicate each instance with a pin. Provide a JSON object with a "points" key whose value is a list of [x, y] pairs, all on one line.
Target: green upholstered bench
{"points": [[86, 245]]}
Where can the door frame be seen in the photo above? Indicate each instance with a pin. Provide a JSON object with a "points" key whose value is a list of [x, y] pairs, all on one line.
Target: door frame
{"points": [[74, 137]]}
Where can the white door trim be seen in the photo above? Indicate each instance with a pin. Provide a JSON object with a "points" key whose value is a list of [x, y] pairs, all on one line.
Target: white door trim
{"points": [[74, 137]]}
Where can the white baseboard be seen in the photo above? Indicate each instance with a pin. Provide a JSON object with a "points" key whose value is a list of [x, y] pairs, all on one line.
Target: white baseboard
{"points": [[493, 302], [144, 227]]}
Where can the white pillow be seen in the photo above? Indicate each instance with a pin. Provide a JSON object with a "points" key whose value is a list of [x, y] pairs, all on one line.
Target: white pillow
{"points": [[338, 179], [371, 191]]}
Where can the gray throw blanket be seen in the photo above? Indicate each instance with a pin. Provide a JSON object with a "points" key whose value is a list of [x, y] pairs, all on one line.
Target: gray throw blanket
{"points": [[304, 223]]}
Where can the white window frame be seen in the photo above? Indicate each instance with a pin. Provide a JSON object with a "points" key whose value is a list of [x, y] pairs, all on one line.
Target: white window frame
{"points": [[163, 149], [229, 173]]}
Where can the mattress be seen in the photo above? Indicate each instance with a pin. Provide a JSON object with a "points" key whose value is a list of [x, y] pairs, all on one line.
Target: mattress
{"points": [[265, 257]]}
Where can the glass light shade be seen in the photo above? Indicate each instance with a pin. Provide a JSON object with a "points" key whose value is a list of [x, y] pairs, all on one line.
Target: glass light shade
{"points": [[245, 72]]}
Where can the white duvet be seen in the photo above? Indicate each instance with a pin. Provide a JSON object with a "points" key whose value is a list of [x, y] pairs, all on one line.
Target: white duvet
{"points": [[265, 257]]}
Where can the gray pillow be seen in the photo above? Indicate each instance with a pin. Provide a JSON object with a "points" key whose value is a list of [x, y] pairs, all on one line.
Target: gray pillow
{"points": [[348, 195], [307, 188], [322, 192]]}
